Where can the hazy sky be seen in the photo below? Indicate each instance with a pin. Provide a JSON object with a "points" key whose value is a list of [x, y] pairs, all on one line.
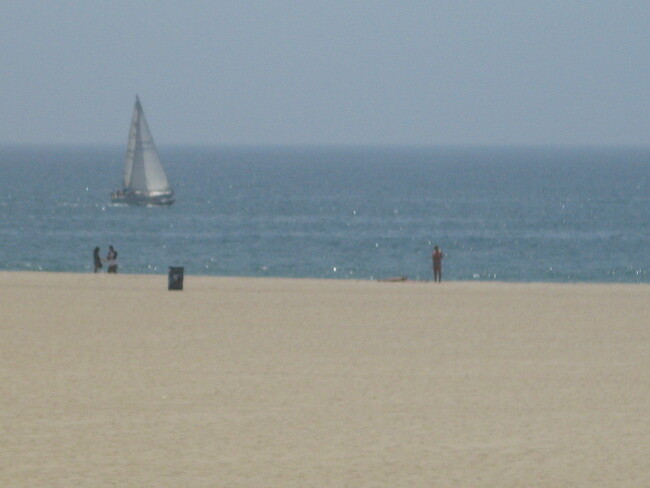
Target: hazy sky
{"points": [[327, 72]]}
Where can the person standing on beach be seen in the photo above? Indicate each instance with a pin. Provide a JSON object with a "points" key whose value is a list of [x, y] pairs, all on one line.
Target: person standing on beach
{"points": [[97, 261], [111, 260], [437, 264]]}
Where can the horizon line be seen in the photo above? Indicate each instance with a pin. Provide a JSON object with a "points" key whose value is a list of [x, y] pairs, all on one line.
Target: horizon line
{"points": [[308, 145]]}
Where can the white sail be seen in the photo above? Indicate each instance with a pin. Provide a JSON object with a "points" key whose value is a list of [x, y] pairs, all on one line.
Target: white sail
{"points": [[143, 171], [130, 147]]}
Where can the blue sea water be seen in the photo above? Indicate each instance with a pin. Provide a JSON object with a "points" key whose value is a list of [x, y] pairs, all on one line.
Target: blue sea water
{"points": [[508, 214]]}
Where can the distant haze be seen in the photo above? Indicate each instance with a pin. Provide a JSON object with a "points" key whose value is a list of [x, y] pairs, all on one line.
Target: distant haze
{"points": [[327, 72]]}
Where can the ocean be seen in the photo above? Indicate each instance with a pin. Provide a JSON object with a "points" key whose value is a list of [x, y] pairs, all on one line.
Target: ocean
{"points": [[517, 214]]}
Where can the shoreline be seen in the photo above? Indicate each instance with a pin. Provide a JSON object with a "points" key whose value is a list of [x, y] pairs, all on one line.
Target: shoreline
{"points": [[388, 280]]}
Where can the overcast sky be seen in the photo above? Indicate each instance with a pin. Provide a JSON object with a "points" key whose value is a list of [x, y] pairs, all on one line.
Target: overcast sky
{"points": [[327, 72]]}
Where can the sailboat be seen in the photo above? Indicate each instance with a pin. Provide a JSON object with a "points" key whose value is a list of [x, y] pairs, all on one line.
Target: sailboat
{"points": [[145, 181]]}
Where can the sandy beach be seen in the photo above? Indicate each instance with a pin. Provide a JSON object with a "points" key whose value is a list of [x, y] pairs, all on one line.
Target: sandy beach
{"points": [[116, 381]]}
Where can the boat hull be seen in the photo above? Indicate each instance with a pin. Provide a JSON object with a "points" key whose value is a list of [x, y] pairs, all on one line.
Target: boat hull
{"points": [[127, 197]]}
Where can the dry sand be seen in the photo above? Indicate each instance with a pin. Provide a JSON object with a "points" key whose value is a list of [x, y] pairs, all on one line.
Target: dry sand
{"points": [[115, 381]]}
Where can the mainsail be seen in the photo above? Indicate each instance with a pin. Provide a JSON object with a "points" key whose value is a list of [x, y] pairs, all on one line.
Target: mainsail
{"points": [[145, 181], [143, 170]]}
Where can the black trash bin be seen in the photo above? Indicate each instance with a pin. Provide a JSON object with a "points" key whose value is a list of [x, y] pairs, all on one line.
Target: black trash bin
{"points": [[175, 278]]}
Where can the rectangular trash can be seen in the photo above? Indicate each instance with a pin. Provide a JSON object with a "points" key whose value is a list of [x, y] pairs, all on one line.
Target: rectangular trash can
{"points": [[175, 278]]}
